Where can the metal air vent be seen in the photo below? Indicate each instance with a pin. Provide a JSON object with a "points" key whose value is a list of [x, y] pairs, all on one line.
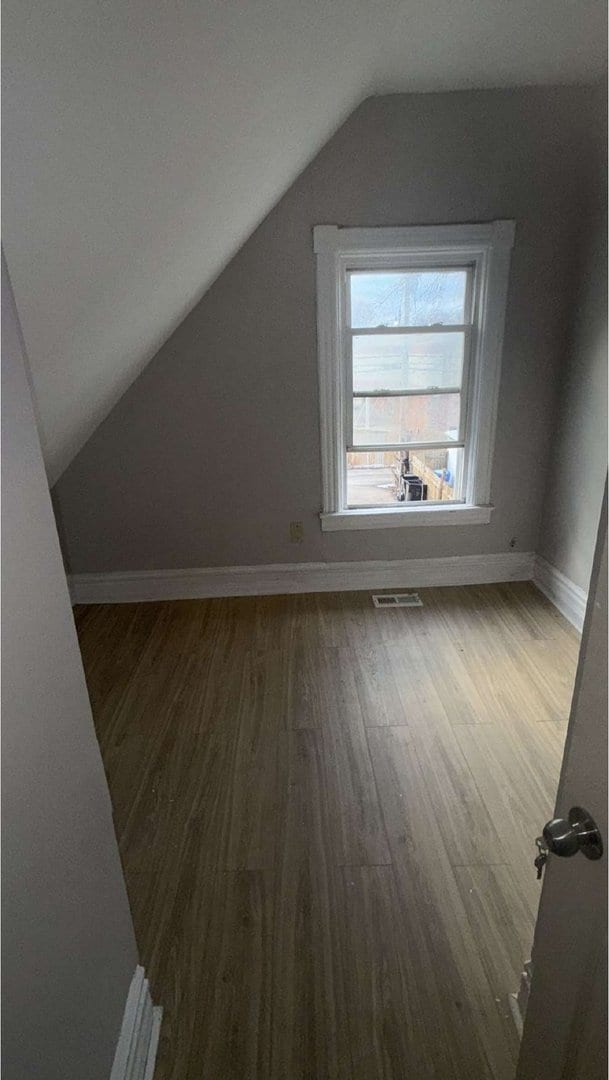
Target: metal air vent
{"points": [[391, 600]]}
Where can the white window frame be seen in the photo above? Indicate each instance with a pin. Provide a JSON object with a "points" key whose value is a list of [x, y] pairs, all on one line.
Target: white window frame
{"points": [[487, 249]]}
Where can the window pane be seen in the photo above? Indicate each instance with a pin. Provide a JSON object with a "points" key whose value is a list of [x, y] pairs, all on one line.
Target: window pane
{"points": [[408, 362], [408, 298], [380, 478], [428, 418]]}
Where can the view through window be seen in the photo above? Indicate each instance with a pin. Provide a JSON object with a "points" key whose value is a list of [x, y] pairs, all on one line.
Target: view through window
{"points": [[409, 339]]}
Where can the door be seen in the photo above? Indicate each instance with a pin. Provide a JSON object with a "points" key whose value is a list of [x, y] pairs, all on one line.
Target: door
{"points": [[565, 1029]]}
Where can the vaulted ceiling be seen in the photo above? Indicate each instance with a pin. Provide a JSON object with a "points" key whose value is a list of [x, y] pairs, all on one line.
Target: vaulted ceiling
{"points": [[144, 140]]}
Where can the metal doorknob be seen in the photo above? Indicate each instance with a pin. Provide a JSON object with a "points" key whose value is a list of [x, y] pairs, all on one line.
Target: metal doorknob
{"points": [[577, 832]]}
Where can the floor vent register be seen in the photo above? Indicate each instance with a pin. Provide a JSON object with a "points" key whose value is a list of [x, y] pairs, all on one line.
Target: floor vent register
{"points": [[391, 600]]}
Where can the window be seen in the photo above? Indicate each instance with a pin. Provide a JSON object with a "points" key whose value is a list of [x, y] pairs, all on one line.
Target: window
{"points": [[410, 325]]}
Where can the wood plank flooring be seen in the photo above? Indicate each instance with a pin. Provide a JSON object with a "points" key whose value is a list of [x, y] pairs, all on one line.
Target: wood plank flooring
{"points": [[326, 815]]}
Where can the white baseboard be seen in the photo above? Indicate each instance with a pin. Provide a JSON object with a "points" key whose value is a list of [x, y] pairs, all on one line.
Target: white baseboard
{"points": [[280, 578], [139, 1036], [569, 598]]}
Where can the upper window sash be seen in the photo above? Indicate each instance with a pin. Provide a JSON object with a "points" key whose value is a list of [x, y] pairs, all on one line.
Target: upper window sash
{"points": [[486, 249]]}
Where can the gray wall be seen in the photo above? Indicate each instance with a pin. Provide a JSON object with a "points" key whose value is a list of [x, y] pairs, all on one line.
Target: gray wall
{"points": [[68, 945], [579, 455], [215, 448]]}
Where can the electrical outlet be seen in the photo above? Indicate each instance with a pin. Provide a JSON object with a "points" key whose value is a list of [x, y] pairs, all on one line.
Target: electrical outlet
{"points": [[296, 532]]}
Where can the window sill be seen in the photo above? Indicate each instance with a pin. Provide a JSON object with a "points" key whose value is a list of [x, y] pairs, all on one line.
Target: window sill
{"points": [[392, 517]]}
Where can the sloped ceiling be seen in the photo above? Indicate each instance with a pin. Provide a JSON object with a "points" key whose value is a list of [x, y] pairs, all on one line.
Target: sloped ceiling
{"points": [[144, 140]]}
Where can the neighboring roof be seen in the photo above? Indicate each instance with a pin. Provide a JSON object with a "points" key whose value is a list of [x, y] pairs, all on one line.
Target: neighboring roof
{"points": [[144, 141]]}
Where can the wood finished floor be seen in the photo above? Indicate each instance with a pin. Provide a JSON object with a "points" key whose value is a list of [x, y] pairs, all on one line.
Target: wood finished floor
{"points": [[326, 816]]}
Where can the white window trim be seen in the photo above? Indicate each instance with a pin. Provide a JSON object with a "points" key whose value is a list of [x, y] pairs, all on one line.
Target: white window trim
{"points": [[488, 247]]}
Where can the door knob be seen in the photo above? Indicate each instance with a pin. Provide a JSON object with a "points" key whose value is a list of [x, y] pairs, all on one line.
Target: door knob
{"points": [[566, 836], [577, 832]]}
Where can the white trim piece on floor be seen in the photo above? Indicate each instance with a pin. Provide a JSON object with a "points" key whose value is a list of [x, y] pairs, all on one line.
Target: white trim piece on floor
{"points": [[284, 578], [568, 597], [136, 1049], [515, 1013], [518, 1002]]}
